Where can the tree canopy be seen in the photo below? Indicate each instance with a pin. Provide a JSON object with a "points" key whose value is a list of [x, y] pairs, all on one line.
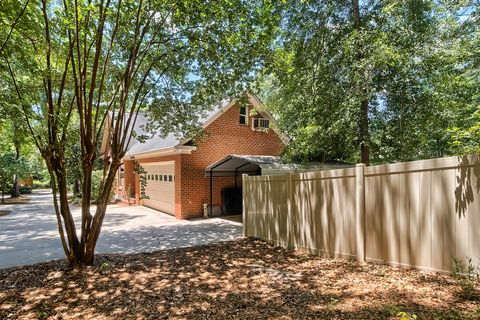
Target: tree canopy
{"points": [[403, 79], [85, 61]]}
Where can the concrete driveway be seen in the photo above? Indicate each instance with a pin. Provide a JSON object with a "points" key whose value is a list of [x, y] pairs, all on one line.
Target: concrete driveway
{"points": [[29, 233]]}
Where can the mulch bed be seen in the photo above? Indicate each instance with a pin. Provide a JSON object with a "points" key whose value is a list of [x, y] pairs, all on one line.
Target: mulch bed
{"points": [[243, 279]]}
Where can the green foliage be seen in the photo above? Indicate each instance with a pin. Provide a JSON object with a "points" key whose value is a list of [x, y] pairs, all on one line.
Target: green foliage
{"points": [[97, 177], [406, 316], [41, 184], [467, 276], [42, 315], [97, 63], [142, 173], [25, 189], [9, 166], [415, 62]]}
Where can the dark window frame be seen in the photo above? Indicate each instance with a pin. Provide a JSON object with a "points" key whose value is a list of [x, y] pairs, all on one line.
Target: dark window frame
{"points": [[243, 116]]}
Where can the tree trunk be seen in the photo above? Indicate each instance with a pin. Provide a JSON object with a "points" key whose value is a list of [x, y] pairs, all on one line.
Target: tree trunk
{"points": [[16, 187], [76, 188], [100, 211], [86, 199], [58, 179], [364, 135], [3, 191]]}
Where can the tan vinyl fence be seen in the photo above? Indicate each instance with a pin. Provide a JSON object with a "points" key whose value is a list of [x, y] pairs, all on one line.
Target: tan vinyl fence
{"points": [[421, 213]]}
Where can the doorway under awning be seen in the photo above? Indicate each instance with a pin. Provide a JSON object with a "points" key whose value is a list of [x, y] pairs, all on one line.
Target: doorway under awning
{"points": [[235, 165]]}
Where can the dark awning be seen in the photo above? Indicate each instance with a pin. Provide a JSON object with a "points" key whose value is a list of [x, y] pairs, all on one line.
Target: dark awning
{"points": [[236, 164]]}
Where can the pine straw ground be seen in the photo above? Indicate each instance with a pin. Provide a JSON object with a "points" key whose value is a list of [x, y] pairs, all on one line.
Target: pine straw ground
{"points": [[243, 279]]}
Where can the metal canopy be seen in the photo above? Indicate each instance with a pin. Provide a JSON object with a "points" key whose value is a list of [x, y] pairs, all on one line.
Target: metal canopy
{"points": [[234, 164]]}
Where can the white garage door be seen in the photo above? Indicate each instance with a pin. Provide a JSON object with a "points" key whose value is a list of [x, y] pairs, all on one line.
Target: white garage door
{"points": [[160, 186]]}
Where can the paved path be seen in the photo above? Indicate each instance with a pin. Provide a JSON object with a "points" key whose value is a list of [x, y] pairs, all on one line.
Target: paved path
{"points": [[29, 233]]}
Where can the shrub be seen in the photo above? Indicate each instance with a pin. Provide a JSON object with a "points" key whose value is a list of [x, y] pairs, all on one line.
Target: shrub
{"points": [[25, 189]]}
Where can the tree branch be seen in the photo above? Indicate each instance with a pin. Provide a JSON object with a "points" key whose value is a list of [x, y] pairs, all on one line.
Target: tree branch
{"points": [[13, 26]]}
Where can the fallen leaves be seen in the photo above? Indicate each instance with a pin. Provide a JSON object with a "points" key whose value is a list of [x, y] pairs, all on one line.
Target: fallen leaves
{"points": [[232, 280]]}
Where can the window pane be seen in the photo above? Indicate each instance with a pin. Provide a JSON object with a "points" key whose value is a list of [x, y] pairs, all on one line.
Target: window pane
{"points": [[243, 115]]}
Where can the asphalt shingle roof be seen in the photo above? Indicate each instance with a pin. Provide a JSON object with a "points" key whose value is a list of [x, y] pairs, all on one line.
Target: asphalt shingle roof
{"points": [[156, 141]]}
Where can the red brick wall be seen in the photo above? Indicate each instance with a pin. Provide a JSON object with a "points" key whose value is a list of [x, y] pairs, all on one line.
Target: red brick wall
{"points": [[222, 137], [129, 178]]}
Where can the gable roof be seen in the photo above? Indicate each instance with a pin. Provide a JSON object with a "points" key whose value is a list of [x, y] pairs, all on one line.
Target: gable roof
{"points": [[171, 142]]}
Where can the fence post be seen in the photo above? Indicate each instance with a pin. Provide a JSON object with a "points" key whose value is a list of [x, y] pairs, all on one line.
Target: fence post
{"points": [[244, 204], [360, 210], [289, 198]]}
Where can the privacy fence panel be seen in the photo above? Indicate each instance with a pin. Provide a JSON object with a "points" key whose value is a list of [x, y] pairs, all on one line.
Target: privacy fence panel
{"points": [[265, 199], [421, 213]]}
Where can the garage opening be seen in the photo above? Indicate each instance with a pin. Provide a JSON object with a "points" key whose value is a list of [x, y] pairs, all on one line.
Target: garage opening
{"points": [[233, 165]]}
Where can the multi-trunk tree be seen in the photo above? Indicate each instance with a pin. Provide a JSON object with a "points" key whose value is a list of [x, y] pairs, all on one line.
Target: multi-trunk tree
{"points": [[85, 61]]}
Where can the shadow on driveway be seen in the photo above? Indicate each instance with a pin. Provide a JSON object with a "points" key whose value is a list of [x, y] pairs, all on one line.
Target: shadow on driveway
{"points": [[29, 233], [171, 236]]}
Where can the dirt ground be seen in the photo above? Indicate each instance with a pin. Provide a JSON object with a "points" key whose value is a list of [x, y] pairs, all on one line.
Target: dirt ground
{"points": [[243, 279], [18, 200]]}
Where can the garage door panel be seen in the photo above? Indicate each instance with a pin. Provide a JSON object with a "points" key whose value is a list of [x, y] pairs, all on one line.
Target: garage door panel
{"points": [[160, 186]]}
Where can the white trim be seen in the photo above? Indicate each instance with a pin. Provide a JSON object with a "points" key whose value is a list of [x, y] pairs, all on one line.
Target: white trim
{"points": [[158, 163], [218, 113], [181, 149], [168, 151], [247, 115], [266, 114], [253, 100]]}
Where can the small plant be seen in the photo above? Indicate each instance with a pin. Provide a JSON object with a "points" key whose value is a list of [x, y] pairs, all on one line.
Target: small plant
{"points": [[104, 267], [402, 315], [129, 194], [466, 275], [142, 173], [42, 315]]}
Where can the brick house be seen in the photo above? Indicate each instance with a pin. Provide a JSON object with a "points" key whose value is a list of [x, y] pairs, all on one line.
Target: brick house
{"points": [[176, 169]]}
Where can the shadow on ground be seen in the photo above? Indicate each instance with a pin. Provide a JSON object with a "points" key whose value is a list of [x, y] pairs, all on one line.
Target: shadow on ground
{"points": [[243, 279], [144, 239]]}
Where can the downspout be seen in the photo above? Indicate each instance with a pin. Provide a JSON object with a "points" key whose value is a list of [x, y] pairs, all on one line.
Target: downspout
{"points": [[209, 212]]}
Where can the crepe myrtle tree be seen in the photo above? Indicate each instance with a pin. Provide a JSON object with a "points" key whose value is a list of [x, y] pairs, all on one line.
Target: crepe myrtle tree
{"points": [[101, 62]]}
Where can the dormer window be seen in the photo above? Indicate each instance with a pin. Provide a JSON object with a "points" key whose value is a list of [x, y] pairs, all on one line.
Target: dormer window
{"points": [[260, 124], [243, 115]]}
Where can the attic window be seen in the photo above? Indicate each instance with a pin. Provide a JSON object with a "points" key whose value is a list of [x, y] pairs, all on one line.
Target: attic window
{"points": [[243, 115], [260, 124]]}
